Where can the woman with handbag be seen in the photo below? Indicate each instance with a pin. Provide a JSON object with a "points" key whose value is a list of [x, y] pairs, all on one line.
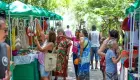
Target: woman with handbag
{"points": [[84, 56], [63, 48], [46, 47]]}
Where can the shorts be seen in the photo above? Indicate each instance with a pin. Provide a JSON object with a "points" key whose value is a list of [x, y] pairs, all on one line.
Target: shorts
{"points": [[94, 52], [84, 76], [111, 76], [43, 73]]}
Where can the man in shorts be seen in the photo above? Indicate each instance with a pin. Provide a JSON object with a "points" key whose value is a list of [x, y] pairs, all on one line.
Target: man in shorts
{"points": [[94, 37]]}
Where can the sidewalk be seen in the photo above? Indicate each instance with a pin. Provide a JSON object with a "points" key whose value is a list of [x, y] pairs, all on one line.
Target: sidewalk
{"points": [[94, 74]]}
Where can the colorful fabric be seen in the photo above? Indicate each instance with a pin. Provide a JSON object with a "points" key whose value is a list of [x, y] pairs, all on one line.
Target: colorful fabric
{"points": [[45, 25], [75, 45], [62, 61], [84, 66]]}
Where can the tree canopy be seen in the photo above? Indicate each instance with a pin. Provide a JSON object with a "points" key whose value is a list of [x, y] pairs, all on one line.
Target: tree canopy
{"points": [[103, 13], [110, 11]]}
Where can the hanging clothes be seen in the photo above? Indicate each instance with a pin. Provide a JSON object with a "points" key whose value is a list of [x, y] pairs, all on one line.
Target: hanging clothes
{"points": [[38, 27], [29, 34], [45, 25], [126, 24]]}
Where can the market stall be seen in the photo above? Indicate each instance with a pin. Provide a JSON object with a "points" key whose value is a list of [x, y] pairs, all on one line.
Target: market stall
{"points": [[26, 21], [131, 59]]}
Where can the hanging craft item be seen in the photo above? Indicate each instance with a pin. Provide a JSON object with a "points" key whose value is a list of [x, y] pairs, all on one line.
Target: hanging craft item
{"points": [[13, 34], [30, 32], [38, 28], [126, 63], [135, 53], [125, 24], [21, 32], [18, 43], [18, 40], [25, 45], [45, 25]]}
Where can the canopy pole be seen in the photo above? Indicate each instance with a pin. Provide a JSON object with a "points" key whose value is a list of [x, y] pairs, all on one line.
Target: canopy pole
{"points": [[130, 40], [133, 38], [139, 52], [10, 27], [53, 22]]}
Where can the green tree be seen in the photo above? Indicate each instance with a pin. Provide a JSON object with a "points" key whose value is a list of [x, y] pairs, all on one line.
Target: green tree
{"points": [[47, 4], [110, 11]]}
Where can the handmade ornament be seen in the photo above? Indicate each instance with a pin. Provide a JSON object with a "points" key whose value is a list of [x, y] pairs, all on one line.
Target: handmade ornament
{"points": [[18, 43], [29, 34], [13, 34], [38, 27], [125, 25], [45, 25], [25, 39]]}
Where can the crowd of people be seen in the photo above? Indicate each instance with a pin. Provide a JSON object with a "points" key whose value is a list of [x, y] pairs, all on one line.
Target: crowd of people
{"points": [[85, 46]]}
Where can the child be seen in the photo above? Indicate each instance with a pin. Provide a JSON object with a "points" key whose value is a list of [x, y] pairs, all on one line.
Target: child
{"points": [[102, 60], [112, 60]]}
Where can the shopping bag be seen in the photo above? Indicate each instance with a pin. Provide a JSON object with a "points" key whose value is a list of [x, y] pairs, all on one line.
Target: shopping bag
{"points": [[50, 61]]}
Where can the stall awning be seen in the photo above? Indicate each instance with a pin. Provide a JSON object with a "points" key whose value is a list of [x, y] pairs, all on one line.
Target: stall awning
{"points": [[3, 5], [135, 5], [19, 9], [36, 11]]}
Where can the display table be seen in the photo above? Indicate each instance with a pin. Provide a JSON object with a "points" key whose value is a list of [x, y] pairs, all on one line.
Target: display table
{"points": [[26, 71]]}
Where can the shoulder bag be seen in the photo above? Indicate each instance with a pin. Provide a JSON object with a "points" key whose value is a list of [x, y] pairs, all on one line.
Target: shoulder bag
{"points": [[50, 60]]}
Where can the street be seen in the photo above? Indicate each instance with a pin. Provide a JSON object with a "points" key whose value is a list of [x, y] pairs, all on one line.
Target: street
{"points": [[94, 74]]}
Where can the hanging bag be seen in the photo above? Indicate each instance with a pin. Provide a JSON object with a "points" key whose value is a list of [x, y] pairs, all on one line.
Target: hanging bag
{"points": [[77, 61], [50, 60]]}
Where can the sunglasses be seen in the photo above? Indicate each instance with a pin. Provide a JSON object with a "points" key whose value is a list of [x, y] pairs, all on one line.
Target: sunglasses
{"points": [[5, 30]]}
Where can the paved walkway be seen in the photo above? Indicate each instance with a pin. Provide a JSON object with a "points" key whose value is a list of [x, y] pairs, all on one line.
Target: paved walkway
{"points": [[94, 74]]}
